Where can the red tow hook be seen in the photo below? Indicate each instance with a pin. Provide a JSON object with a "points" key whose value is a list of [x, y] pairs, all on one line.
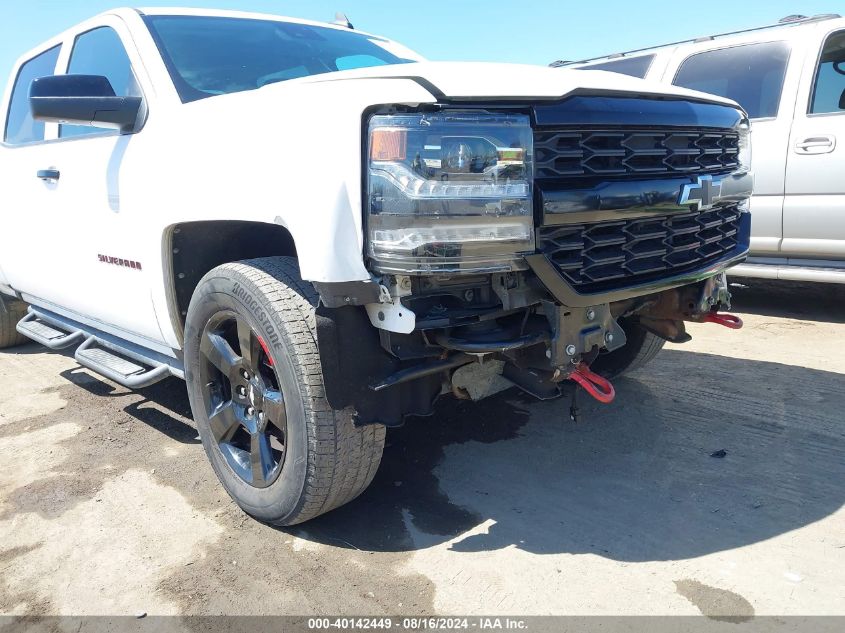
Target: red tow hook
{"points": [[595, 385], [728, 320]]}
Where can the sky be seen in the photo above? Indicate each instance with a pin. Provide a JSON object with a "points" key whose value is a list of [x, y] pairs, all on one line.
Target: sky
{"points": [[522, 31]]}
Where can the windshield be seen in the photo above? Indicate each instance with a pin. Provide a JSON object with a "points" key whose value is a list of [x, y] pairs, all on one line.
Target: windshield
{"points": [[209, 56]]}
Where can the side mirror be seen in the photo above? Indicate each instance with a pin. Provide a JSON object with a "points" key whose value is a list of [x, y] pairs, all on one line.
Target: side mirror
{"points": [[83, 100]]}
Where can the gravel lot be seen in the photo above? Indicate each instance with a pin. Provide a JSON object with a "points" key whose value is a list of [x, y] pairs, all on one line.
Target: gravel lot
{"points": [[108, 506]]}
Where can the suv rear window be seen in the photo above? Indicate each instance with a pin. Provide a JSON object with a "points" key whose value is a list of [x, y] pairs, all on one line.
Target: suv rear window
{"points": [[632, 66], [752, 75], [829, 89]]}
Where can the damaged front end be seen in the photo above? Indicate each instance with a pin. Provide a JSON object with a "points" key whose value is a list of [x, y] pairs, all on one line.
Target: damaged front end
{"points": [[523, 246], [473, 340], [544, 343]]}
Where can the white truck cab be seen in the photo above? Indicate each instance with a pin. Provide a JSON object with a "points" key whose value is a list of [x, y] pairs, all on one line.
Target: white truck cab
{"points": [[322, 233], [790, 78]]}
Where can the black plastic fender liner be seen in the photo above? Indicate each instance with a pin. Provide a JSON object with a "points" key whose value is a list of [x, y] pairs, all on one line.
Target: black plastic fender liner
{"points": [[353, 360]]}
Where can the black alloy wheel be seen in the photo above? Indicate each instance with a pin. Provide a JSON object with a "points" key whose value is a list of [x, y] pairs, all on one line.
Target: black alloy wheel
{"points": [[255, 382], [243, 399]]}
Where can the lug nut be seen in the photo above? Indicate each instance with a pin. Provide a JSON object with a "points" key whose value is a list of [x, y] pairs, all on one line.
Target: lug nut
{"points": [[570, 350], [245, 374], [250, 411], [241, 391], [608, 337], [591, 314]]}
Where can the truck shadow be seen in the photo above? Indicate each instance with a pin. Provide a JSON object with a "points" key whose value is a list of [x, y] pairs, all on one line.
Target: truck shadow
{"points": [[163, 406], [635, 481], [789, 299]]}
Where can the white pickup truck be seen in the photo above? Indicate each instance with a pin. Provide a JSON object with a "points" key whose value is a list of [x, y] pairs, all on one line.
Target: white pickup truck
{"points": [[322, 233]]}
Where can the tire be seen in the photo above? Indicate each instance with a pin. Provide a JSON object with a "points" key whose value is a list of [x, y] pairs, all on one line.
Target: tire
{"points": [[642, 346], [325, 460], [14, 311]]}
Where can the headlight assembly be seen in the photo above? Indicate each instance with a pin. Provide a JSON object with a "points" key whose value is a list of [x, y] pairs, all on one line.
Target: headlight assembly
{"points": [[449, 192]]}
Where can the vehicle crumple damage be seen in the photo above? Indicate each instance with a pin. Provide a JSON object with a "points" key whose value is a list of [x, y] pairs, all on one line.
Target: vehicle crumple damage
{"points": [[664, 314], [529, 340], [534, 246]]}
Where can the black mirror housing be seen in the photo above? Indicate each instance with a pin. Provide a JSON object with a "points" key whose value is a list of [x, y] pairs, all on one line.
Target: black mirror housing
{"points": [[83, 100]]}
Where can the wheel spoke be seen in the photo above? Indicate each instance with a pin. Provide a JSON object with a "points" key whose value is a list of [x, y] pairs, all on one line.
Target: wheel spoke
{"points": [[249, 345], [224, 422], [274, 409], [218, 351], [244, 399], [260, 458]]}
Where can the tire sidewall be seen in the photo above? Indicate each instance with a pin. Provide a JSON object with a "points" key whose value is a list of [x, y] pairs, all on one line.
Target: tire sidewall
{"points": [[238, 294], [617, 362]]}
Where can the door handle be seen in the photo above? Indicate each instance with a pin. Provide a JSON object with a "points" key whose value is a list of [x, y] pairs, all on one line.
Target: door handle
{"points": [[48, 175], [816, 145]]}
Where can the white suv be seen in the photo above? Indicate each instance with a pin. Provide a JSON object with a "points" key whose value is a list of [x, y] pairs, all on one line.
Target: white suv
{"points": [[790, 78]]}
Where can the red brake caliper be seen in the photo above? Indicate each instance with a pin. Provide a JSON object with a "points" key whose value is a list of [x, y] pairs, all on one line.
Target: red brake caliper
{"points": [[595, 385], [728, 320], [266, 350]]}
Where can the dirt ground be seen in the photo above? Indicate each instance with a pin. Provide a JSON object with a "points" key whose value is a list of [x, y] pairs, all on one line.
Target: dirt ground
{"points": [[108, 506]]}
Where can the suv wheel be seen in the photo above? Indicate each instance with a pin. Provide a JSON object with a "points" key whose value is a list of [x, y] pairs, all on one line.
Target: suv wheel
{"points": [[256, 389], [11, 312]]}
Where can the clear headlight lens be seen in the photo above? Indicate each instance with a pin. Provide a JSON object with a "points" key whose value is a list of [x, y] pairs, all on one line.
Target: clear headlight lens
{"points": [[744, 156], [449, 192]]}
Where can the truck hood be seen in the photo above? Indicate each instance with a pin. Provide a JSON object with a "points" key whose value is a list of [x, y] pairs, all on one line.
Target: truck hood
{"points": [[493, 81]]}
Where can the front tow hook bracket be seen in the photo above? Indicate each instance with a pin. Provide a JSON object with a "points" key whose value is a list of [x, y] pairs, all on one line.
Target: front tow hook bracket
{"points": [[597, 386], [723, 318]]}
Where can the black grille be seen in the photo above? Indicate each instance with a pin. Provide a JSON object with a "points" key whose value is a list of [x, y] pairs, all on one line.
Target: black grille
{"points": [[607, 255], [568, 153]]}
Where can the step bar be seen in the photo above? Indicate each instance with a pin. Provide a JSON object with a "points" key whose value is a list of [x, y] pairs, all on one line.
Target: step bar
{"points": [[42, 332], [788, 272], [123, 362]]}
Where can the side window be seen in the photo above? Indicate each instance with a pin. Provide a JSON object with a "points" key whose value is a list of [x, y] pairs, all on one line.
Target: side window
{"points": [[20, 127], [100, 52], [829, 89], [752, 75], [632, 66]]}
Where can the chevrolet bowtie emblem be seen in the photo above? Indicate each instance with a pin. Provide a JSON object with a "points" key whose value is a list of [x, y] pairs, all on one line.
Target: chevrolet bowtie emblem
{"points": [[702, 193]]}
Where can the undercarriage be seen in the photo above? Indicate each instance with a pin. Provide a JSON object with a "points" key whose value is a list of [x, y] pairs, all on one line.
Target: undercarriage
{"points": [[508, 322]]}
